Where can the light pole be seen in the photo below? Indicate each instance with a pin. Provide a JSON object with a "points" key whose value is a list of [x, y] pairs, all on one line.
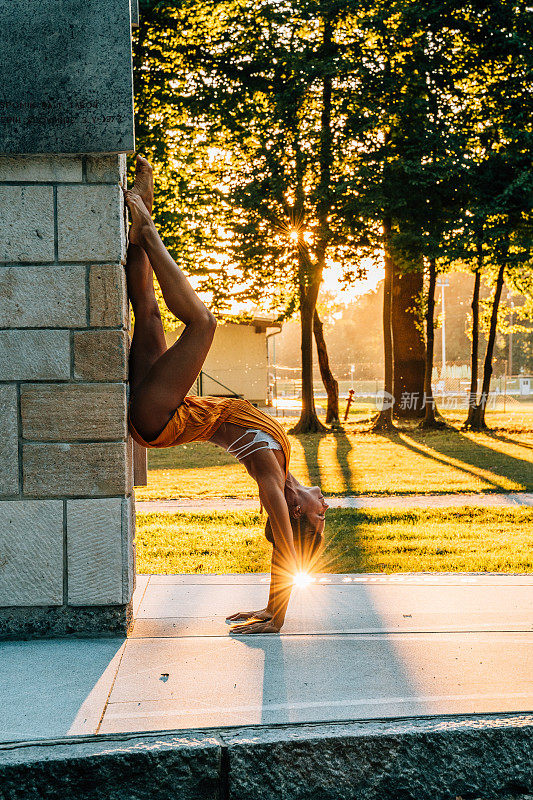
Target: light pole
{"points": [[511, 317], [442, 282], [505, 385], [275, 365]]}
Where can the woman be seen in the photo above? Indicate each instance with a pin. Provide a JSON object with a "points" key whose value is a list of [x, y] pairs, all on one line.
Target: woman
{"points": [[161, 414]]}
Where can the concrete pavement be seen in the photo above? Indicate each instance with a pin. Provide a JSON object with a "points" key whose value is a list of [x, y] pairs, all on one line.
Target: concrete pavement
{"points": [[205, 505], [354, 647]]}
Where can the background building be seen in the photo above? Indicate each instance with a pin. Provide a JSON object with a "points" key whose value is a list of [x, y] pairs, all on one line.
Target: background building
{"points": [[237, 363]]}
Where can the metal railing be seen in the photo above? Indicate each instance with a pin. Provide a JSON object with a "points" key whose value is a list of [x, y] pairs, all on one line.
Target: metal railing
{"points": [[200, 385]]}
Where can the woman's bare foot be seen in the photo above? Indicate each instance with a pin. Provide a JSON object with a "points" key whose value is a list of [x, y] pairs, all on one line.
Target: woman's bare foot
{"points": [[144, 182], [141, 221]]}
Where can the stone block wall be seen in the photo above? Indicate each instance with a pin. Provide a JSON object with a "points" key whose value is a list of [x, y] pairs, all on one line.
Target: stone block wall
{"points": [[66, 506]]}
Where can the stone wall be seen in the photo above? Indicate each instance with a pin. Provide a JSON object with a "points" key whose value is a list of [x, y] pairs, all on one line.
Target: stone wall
{"points": [[482, 757], [66, 504]]}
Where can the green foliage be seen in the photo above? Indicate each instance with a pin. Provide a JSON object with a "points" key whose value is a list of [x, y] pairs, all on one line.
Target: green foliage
{"points": [[283, 133]]}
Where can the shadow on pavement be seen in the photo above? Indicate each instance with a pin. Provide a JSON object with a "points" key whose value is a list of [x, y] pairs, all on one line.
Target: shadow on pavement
{"points": [[55, 687], [327, 677]]}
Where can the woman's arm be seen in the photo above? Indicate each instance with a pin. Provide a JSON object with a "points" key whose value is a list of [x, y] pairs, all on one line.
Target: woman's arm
{"points": [[278, 601], [271, 480], [280, 591], [273, 500]]}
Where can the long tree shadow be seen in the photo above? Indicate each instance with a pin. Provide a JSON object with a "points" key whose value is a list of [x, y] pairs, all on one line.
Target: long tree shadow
{"points": [[507, 440], [295, 689], [469, 456], [326, 474], [316, 466], [344, 447]]}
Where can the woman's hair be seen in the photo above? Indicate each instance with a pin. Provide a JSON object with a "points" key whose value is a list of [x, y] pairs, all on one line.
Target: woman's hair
{"points": [[307, 541], [301, 529]]}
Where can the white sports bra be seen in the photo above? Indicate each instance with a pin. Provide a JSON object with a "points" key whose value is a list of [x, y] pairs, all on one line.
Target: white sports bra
{"points": [[261, 441]]}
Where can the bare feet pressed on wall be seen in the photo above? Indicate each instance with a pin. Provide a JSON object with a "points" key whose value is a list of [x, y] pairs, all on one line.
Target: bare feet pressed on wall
{"points": [[141, 220], [143, 190], [144, 181]]}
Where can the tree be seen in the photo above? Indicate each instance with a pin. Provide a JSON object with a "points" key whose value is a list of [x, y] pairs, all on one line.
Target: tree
{"points": [[330, 384], [453, 94], [429, 143], [430, 420], [261, 83], [501, 179], [383, 421], [516, 237], [408, 342], [403, 131], [472, 395], [187, 208]]}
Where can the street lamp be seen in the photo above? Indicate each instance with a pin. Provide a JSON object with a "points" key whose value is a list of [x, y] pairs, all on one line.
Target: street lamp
{"points": [[442, 282]]}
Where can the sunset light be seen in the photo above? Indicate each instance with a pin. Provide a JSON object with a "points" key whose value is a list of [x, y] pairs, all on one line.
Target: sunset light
{"points": [[302, 580]]}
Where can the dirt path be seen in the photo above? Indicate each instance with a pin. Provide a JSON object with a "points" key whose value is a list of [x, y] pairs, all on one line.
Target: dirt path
{"points": [[362, 501]]}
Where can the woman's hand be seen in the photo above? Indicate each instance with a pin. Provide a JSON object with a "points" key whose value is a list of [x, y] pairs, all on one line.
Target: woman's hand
{"points": [[264, 614], [254, 626]]}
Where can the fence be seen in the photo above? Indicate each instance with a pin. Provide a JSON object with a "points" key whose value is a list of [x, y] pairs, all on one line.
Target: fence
{"points": [[451, 393]]}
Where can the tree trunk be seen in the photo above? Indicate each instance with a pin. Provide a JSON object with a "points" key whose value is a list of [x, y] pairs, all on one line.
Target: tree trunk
{"points": [[478, 421], [383, 421], [409, 347], [310, 273], [430, 420], [330, 384], [308, 422], [472, 398]]}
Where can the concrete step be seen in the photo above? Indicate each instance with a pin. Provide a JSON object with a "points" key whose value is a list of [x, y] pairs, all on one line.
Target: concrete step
{"points": [[437, 759]]}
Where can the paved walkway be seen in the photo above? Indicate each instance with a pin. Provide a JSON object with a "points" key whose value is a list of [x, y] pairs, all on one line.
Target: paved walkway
{"points": [[360, 501], [354, 647]]}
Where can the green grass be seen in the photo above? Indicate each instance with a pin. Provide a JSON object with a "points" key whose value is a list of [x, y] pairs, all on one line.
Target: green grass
{"points": [[518, 413], [352, 461], [201, 543], [450, 540]]}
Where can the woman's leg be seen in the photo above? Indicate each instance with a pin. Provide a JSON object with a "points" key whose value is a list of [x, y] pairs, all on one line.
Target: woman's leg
{"points": [[148, 341], [158, 393]]}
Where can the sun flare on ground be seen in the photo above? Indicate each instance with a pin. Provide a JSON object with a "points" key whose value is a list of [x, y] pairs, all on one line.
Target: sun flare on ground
{"points": [[302, 580]]}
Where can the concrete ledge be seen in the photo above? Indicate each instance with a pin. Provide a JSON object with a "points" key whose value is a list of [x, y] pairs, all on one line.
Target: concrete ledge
{"points": [[439, 758], [38, 621], [433, 759], [183, 766]]}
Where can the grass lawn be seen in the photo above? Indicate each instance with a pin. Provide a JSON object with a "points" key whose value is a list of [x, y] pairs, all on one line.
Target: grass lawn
{"points": [[469, 540], [352, 461], [518, 415]]}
